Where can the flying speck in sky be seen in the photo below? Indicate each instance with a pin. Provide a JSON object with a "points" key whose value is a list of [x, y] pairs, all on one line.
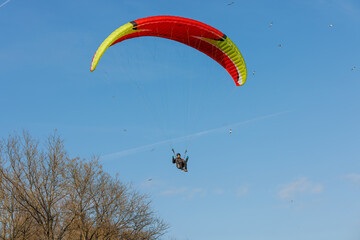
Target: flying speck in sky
{"points": [[253, 73], [270, 24], [280, 45], [330, 25], [230, 3], [353, 68]]}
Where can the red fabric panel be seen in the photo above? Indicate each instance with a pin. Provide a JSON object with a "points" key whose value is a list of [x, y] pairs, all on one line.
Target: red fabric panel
{"points": [[185, 31]]}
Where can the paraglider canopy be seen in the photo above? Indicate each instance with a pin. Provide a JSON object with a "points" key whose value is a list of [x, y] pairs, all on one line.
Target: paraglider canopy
{"points": [[193, 33]]}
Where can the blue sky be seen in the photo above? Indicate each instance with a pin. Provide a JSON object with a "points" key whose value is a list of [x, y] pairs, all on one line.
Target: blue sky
{"points": [[290, 169]]}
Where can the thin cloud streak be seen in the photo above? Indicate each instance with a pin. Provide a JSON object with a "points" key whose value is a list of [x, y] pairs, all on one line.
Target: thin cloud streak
{"points": [[355, 178], [242, 191], [184, 138], [218, 191], [301, 186], [186, 193], [174, 191], [3, 4]]}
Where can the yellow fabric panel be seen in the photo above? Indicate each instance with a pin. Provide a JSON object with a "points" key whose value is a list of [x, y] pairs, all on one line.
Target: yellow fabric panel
{"points": [[118, 33], [230, 49]]}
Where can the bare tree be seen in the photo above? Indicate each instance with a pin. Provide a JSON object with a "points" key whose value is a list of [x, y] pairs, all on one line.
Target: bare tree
{"points": [[106, 208], [15, 224], [36, 181], [45, 194]]}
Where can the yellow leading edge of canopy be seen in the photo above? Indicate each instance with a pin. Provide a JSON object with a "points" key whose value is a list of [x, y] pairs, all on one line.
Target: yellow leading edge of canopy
{"points": [[118, 33], [229, 48]]}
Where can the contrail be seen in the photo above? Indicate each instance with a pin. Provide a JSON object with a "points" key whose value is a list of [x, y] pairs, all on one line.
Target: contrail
{"points": [[3, 4], [181, 139]]}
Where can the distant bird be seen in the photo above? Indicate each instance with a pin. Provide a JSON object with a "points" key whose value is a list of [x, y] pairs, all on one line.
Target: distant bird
{"points": [[292, 201], [113, 96], [280, 45], [353, 68], [153, 149], [230, 3], [230, 131], [330, 25], [150, 179], [253, 73], [270, 24], [125, 130]]}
